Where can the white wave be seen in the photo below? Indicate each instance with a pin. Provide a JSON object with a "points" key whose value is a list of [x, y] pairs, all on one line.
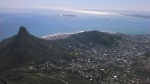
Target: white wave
{"points": [[82, 11], [95, 12]]}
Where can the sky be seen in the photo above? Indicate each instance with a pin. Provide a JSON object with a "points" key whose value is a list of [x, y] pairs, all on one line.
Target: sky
{"points": [[87, 4]]}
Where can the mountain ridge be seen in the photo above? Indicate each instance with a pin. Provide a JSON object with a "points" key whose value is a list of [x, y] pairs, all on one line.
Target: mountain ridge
{"points": [[23, 47], [90, 57], [18, 49]]}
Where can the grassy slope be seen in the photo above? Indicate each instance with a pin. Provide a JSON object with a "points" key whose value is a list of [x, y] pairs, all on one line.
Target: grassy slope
{"points": [[29, 78]]}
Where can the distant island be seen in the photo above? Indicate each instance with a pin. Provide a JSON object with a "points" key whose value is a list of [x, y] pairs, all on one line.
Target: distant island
{"points": [[138, 15], [70, 15]]}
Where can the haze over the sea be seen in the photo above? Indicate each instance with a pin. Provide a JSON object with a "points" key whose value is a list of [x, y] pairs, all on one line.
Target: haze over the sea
{"points": [[52, 16]]}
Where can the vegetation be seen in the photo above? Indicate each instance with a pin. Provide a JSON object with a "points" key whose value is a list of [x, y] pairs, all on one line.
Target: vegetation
{"points": [[24, 49], [29, 78]]}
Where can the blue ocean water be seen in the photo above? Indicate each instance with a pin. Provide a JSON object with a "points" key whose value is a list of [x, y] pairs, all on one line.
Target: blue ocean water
{"points": [[50, 23]]}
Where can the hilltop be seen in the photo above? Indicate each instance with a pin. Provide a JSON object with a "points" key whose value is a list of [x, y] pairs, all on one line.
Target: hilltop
{"points": [[90, 57], [23, 47]]}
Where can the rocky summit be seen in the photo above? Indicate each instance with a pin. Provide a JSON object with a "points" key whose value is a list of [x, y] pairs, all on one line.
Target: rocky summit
{"points": [[23, 31]]}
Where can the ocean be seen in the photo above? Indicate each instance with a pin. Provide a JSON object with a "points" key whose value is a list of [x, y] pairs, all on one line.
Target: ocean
{"points": [[41, 24]]}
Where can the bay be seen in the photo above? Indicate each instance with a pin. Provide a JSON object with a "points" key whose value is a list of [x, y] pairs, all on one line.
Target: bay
{"points": [[51, 22]]}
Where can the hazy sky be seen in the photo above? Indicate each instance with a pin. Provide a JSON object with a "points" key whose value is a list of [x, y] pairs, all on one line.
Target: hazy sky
{"points": [[96, 4]]}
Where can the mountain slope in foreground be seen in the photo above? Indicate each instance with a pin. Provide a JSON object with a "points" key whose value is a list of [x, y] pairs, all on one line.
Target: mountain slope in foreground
{"points": [[24, 49], [83, 58]]}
